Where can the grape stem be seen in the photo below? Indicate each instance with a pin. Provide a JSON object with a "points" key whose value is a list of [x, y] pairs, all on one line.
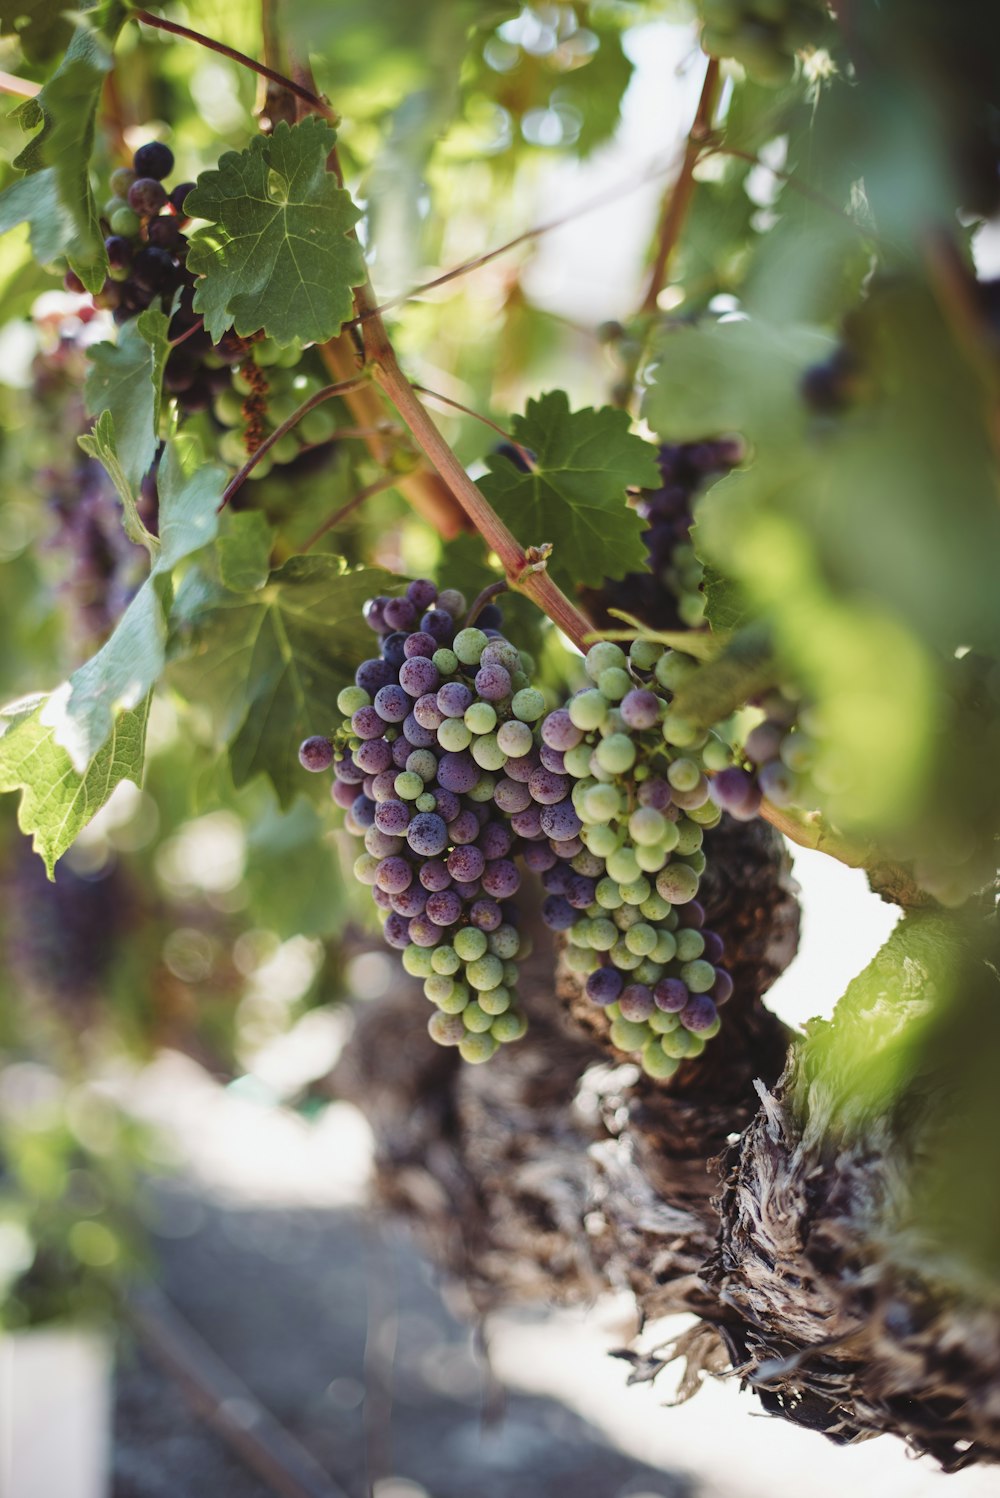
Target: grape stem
{"points": [[679, 195], [446, 400], [327, 393], [20, 88], [377, 486], [316, 104], [478, 604], [809, 830]]}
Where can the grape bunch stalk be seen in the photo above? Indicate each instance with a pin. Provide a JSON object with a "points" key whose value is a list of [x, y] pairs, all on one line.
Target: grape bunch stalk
{"points": [[427, 727]]}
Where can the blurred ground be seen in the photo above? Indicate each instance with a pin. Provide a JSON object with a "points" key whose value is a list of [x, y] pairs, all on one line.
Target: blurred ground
{"points": [[338, 1326]]}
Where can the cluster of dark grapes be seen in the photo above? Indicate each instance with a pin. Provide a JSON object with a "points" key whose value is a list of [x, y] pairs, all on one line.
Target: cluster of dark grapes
{"points": [[622, 795], [429, 726], [670, 594], [763, 35]]}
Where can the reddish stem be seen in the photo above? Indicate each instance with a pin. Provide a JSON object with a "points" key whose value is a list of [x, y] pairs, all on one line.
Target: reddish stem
{"points": [[446, 400], [375, 487], [327, 393], [678, 199]]}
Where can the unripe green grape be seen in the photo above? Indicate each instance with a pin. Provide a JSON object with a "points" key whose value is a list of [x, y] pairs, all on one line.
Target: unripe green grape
{"points": [[698, 975], [231, 449], [580, 959], [651, 860], [627, 916], [683, 774], [681, 1044], [613, 683], [613, 723], [644, 654], [601, 840], [510, 1025], [601, 803], [696, 861], [797, 752], [666, 946], [647, 826], [487, 752], [480, 717], [425, 801], [446, 1029], [456, 1001], [622, 958], [679, 732], [608, 895], [469, 645], [446, 661], [628, 1036], [677, 883], [438, 989], [505, 942], [577, 761], [603, 656], [453, 735], [125, 222], [587, 710], [673, 669], [477, 1048], [655, 1061], [485, 973], [286, 448], [709, 815], [423, 763], [648, 972], [663, 1024], [483, 788], [691, 607], [587, 864], [579, 932], [634, 891], [408, 785], [641, 939], [317, 425], [528, 704], [689, 944], [603, 934], [510, 973], [519, 680], [495, 1001], [475, 1018], [712, 1030], [715, 754], [443, 959], [350, 699], [266, 352], [263, 468], [616, 754], [469, 943], [689, 837], [622, 865], [417, 961], [240, 383], [365, 867], [514, 738]]}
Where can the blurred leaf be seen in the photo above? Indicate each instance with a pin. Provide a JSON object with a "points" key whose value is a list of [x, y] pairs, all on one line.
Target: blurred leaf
{"points": [[575, 495], [742, 671], [270, 666], [278, 257], [57, 801], [42, 27], [125, 379], [101, 442], [244, 551]]}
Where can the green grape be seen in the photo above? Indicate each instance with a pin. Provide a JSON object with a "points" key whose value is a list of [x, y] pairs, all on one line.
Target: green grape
{"points": [[663, 1024], [514, 738], [651, 860], [683, 774], [616, 754], [350, 699], [446, 661], [495, 1001], [505, 942], [689, 944], [634, 891], [457, 999], [698, 975], [677, 883], [649, 972], [628, 1036], [486, 972], [587, 710], [712, 1031], [601, 803], [408, 785], [641, 939], [622, 866], [425, 801], [508, 1026], [603, 934], [438, 988], [604, 656], [480, 717], [475, 1018], [125, 222], [365, 867], [510, 974], [285, 449], [453, 735], [417, 961], [228, 408], [601, 840], [577, 761], [647, 826], [689, 837], [696, 861], [469, 645], [487, 752], [716, 755], [678, 731], [681, 1044], [666, 946], [443, 959], [446, 1029], [655, 1061], [608, 895], [673, 669], [644, 654], [528, 704], [580, 959], [613, 683], [622, 958], [470, 943], [709, 815], [627, 916], [477, 1048], [483, 788]]}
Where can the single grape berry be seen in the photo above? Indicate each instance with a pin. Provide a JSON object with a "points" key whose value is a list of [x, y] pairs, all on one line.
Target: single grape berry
{"points": [[316, 754], [154, 160]]}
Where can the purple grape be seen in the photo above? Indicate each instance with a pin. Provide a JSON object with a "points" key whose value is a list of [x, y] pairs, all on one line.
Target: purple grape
{"points": [[421, 593], [567, 849], [401, 749], [539, 857], [640, 708], [552, 759], [380, 844], [465, 827], [560, 732], [415, 733], [604, 985], [427, 712], [560, 822], [368, 723], [343, 794], [764, 742], [452, 601], [458, 772], [714, 950], [493, 683], [692, 914], [448, 804], [438, 624], [393, 875], [391, 703], [423, 931], [393, 817], [119, 252], [496, 840], [528, 823], [146, 196], [372, 675], [453, 699], [557, 879], [400, 614], [397, 931], [179, 194], [410, 901], [670, 995], [373, 756], [427, 835], [522, 767], [467, 889], [490, 618], [557, 913], [164, 232], [548, 788], [153, 271], [501, 879], [736, 792], [722, 989], [444, 908], [316, 754], [418, 676], [347, 770], [636, 1002], [510, 796], [419, 644], [154, 160], [394, 648], [655, 792], [580, 893], [363, 811], [434, 873], [486, 914], [383, 787], [382, 900], [374, 613], [466, 864]]}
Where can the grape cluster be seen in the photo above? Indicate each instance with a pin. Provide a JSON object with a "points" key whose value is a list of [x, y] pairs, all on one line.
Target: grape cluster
{"points": [[433, 729], [669, 595], [763, 35], [615, 812], [287, 386]]}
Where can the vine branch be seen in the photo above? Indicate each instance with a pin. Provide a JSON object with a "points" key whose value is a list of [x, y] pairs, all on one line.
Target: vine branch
{"points": [[679, 195], [327, 393], [446, 400], [377, 486], [20, 88]]}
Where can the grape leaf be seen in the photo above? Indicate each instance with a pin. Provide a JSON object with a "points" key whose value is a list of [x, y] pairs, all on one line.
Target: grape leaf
{"points": [[277, 255], [101, 443], [57, 801], [244, 551], [125, 379], [269, 666], [66, 110], [41, 26], [575, 495], [124, 670]]}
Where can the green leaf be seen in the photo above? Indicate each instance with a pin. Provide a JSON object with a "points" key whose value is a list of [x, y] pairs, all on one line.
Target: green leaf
{"points": [[744, 669], [57, 801], [269, 666], [42, 27], [700, 644], [278, 255], [124, 670], [575, 495], [244, 551], [66, 109], [101, 443], [125, 380]]}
